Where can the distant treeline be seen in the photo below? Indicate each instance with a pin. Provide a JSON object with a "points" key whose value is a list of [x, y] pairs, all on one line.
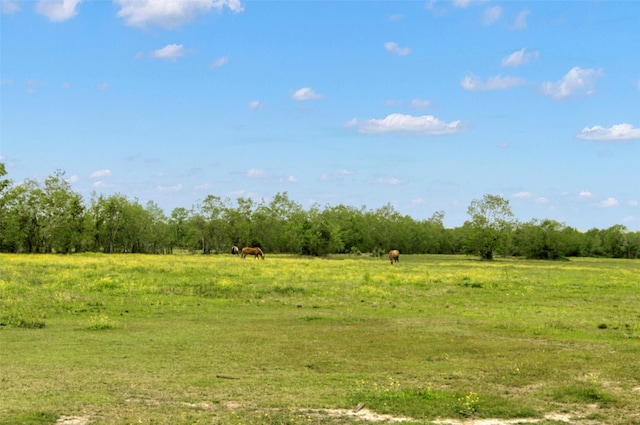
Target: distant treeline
{"points": [[50, 217]]}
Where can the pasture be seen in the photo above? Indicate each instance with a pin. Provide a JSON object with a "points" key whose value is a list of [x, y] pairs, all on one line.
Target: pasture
{"points": [[193, 339]]}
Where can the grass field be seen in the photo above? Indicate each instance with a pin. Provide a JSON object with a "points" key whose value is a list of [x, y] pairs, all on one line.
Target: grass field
{"points": [[135, 339]]}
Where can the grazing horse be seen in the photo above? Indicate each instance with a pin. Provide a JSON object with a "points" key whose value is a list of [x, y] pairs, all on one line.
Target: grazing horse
{"points": [[256, 252], [235, 250], [394, 256]]}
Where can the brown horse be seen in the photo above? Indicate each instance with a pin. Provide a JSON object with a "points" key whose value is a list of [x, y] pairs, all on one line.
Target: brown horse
{"points": [[394, 256], [256, 252]]}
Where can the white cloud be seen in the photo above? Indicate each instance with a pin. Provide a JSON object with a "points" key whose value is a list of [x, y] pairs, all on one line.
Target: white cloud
{"points": [[100, 184], [34, 85], [219, 62], [256, 172], [306, 93], [337, 175], [7, 7], [426, 125], [585, 194], [473, 82], [72, 179], [240, 193], [432, 6], [466, 3], [615, 133], [522, 195], [169, 189], [389, 181], [519, 58], [577, 80], [170, 14], [58, 10], [608, 203], [420, 104], [101, 173], [351, 123], [542, 200], [491, 15], [634, 203], [291, 179], [103, 86], [396, 50], [170, 51], [520, 22], [254, 104], [204, 186]]}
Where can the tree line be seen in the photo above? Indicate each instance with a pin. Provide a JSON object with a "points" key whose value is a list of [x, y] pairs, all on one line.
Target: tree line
{"points": [[50, 217]]}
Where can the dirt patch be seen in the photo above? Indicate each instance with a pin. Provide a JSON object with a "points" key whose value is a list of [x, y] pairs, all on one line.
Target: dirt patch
{"points": [[365, 415], [72, 420], [368, 416], [550, 417]]}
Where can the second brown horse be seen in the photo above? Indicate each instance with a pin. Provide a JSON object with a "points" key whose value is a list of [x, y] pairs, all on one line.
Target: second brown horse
{"points": [[394, 256], [256, 252]]}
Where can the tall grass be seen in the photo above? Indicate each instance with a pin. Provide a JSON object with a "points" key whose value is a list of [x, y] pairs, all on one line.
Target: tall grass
{"points": [[122, 339]]}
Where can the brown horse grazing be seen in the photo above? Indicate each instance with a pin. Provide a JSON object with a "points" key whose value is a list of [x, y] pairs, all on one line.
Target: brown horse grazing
{"points": [[394, 256], [235, 250], [256, 252]]}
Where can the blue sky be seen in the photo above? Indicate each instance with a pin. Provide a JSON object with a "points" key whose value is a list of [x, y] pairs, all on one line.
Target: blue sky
{"points": [[426, 105]]}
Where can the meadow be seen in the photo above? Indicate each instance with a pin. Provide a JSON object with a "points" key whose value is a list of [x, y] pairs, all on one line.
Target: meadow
{"points": [[214, 339]]}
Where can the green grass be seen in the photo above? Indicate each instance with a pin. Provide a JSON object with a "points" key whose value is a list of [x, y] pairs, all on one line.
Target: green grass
{"points": [[125, 339]]}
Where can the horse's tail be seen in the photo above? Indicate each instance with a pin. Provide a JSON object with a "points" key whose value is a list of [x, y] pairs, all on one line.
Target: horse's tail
{"points": [[261, 253]]}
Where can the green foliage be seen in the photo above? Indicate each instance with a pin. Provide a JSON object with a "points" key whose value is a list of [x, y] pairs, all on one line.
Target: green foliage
{"points": [[545, 240], [490, 225], [50, 217]]}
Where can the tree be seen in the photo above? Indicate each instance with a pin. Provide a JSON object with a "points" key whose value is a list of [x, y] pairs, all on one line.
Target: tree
{"points": [[490, 225], [4, 183], [107, 214], [63, 215], [349, 223], [21, 230], [283, 230], [212, 226], [319, 235], [179, 227], [159, 237], [617, 242], [543, 240], [428, 236]]}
